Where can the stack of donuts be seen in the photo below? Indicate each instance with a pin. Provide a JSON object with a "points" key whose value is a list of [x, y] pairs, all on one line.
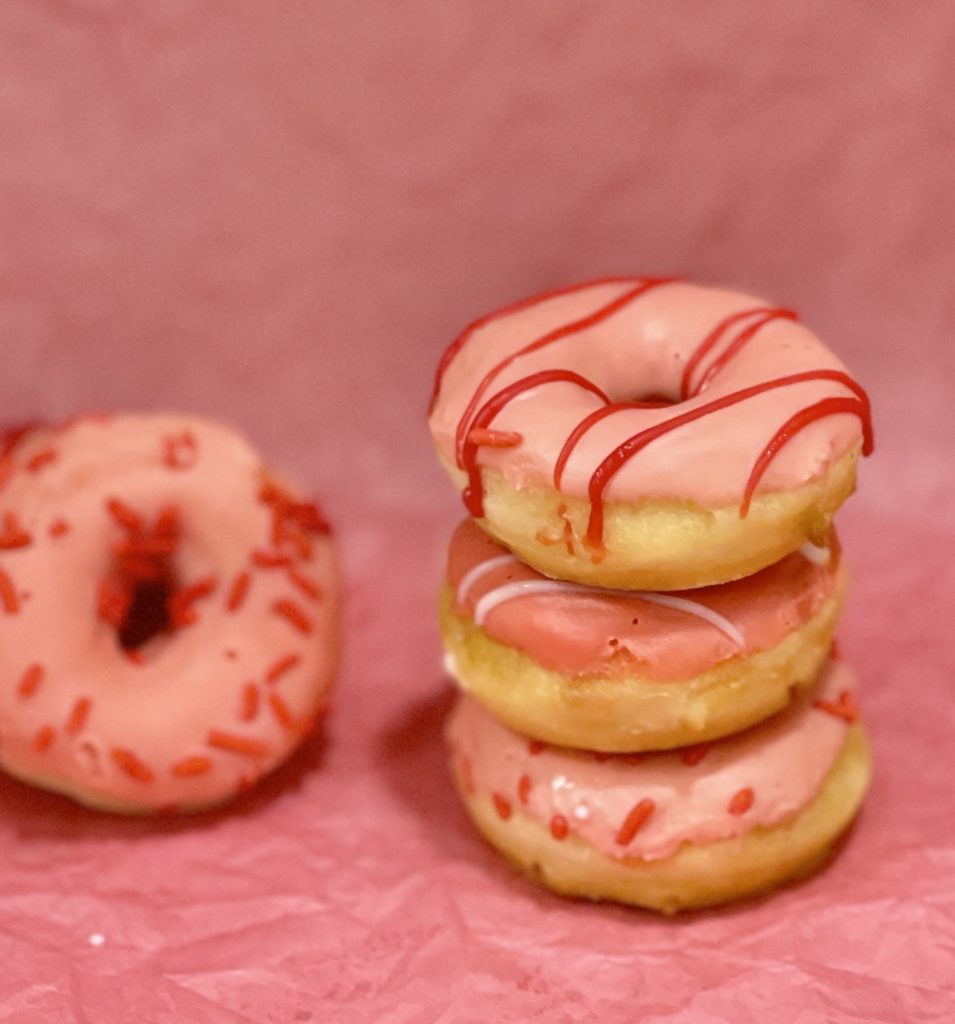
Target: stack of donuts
{"points": [[640, 607]]}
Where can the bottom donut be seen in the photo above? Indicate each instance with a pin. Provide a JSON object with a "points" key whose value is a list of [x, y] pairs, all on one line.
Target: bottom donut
{"points": [[675, 830]]}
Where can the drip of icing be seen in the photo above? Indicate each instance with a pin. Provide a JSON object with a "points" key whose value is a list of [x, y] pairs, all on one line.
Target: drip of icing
{"points": [[474, 492], [473, 575], [614, 462], [815, 554], [520, 588]]}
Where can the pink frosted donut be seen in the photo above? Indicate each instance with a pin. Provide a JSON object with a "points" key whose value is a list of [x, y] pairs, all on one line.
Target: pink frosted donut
{"points": [[618, 670], [677, 829], [168, 612], [648, 434]]}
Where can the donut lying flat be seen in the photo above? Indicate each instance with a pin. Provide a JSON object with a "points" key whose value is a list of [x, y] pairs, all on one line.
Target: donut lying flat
{"points": [[647, 434], [619, 671], [168, 612], [676, 830]]}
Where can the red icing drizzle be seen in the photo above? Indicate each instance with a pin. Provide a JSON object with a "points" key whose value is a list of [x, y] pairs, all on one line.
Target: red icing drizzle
{"points": [[473, 427], [468, 421], [515, 307], [625, 451], [766, 315], [474, 492]]}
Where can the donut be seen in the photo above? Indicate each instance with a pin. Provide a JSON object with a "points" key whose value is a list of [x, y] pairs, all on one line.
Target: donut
{"points": [[674, 830], [648, 434], [628, 671], [168, 612]]}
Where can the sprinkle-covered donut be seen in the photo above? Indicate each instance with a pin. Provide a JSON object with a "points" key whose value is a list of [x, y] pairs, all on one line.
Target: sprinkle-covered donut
{"points": [[642, 433], [670, 831], [168, 612], [626, 671]]}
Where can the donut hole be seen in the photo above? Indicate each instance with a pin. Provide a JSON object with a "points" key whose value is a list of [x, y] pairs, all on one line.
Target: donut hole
{"points": [[655, 398], [148, 615]]}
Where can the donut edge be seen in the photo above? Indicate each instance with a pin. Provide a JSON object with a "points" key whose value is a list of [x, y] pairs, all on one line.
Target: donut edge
{"points": [[632, 713], [697, 875], [659, 544]]}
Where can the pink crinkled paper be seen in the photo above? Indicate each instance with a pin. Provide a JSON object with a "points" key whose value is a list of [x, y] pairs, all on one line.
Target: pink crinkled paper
{"points": [[279, 215]]}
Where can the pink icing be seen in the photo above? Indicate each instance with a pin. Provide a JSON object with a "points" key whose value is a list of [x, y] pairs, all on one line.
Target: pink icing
{"points": [[581, 631], [697, 795], [640, 351], [212, 705]]}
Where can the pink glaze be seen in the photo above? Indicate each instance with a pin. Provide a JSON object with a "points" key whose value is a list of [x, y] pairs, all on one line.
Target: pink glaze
{"points": [[587, 632], [222, 695], [696, 795], [642, 350]]}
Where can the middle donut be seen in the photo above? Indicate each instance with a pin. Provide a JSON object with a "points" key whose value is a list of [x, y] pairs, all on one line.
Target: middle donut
{"points": [[627, 671]]}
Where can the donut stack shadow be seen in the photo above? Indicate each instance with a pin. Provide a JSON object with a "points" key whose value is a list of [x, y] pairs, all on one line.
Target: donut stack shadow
{"points": [[666, 747]]}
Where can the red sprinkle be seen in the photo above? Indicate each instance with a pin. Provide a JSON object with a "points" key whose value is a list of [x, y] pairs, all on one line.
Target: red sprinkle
{"points": [[238, 592], [270, 559], [58, 527], [535, 747], [741, 802], [484, 437], [8, 594], [181, 612], [181, 451], [280, 667], [308, 515], [290, 611], [43, 740], [635, 820], [13, 536], [128, 518], [306, 585], [250, 702], [78, 716], [282, 712], [190, 766], [237, 744], [501, 805], [30, 681], [128, 762], [559, 827], [112, 604], [693, 755], [167, 522], [524, 788], [844, 708], [41, 459]]}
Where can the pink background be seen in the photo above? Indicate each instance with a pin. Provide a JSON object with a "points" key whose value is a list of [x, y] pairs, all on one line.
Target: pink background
{"points": [[280, 214]]}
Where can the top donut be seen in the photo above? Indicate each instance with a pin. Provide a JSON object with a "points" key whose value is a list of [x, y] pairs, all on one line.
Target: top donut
{"points": [[647, 433]]}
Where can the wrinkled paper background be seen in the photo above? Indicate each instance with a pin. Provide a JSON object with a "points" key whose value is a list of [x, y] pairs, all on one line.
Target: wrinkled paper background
{"points": [[279, 214]]}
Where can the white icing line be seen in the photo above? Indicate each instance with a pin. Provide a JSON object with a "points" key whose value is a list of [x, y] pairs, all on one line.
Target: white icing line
{"points": [[814, 553], [508, 591], [519, 588], [450, 665], [473, 575], [699, 610]]}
